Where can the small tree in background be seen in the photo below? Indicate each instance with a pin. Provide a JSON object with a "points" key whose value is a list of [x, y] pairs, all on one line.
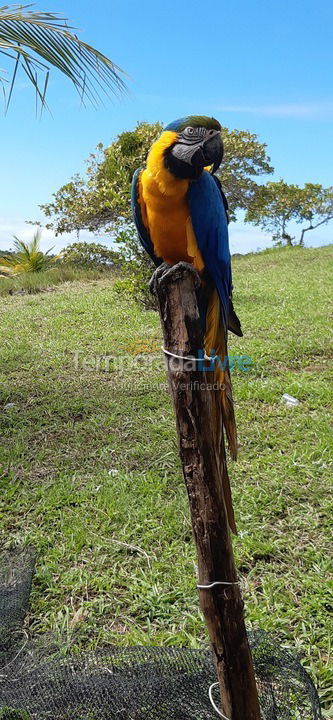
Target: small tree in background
{"points": [[245, 158], [272, 208], [98, 201], [276, 204], [316, 207], [89, 255]]}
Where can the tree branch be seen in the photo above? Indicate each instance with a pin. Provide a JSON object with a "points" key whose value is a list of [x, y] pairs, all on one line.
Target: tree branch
{"points": [[313, 227]]}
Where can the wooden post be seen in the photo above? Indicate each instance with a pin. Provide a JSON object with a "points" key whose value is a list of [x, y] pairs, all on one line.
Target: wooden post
{"points": [[222, 605]]}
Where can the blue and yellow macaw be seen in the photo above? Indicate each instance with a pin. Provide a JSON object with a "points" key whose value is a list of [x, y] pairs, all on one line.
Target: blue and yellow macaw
{"points": [[180, 213]]}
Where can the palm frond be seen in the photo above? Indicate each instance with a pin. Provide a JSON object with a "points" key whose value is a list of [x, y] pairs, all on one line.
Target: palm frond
{"points": [[37, 40], [22, 248], [27, 257]]}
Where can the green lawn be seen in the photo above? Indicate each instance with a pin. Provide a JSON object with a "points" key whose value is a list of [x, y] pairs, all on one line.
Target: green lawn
{"points": [[44, 281], [90, 475]]}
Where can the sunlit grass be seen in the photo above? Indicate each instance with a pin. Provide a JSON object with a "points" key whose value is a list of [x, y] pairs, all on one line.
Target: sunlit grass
{"points": [[45, 281], [91, 473]]}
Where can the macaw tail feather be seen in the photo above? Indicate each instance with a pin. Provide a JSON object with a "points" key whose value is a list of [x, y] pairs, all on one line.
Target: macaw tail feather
{"points": [[220, 444], [224, 416]]}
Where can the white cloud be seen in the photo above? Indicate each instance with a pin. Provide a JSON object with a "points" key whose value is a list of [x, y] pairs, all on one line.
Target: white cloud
{"points": [[322, 109]]}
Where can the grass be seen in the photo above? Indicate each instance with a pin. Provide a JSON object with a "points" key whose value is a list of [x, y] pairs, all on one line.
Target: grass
{"points": [[44, 281], [91, 477]]}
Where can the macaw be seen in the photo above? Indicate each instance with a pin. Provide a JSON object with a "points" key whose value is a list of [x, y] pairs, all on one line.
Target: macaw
{"points": [[180, 213]]}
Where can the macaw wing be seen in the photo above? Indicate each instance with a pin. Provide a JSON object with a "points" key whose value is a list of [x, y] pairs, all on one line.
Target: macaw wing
{"points": [[209, 222], [137, 212], [224, 199], [210, 225]]}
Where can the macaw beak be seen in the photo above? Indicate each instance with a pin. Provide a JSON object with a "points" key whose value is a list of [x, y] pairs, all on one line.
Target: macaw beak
{"points": [[213, 150]]}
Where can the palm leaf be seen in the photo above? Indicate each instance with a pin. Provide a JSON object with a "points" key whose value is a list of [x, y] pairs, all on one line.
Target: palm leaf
{"points": [[27, 258], [37, 40]]}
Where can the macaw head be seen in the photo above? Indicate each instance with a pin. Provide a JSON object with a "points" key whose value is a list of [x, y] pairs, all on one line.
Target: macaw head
{"points": [[196, 143]]}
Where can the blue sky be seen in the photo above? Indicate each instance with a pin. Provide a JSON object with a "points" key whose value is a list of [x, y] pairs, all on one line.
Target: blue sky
{"points": [[264, 65]]}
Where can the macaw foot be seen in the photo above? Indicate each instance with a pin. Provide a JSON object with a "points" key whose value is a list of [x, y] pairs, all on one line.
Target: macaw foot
{"points": [[156, 276], [166, 273]]}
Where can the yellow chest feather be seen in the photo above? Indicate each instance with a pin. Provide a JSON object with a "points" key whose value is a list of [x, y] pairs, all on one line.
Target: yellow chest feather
{"points": [[166, 208]]}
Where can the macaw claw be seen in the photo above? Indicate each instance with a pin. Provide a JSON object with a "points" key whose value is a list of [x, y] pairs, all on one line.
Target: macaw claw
{"points": [[166, 273]]}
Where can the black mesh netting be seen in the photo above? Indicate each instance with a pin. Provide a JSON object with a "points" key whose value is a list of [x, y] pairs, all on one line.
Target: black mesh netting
{"points": [[135, 683]]}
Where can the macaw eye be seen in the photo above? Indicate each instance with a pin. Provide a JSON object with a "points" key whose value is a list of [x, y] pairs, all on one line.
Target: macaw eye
{"points": [[189, 130]]}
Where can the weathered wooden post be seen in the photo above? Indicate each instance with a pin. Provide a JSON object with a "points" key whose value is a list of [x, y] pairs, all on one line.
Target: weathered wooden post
{"points": [[221, 603]]}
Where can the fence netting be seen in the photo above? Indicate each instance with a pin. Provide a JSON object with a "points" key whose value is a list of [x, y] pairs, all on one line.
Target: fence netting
{"points": [[41, 682]]}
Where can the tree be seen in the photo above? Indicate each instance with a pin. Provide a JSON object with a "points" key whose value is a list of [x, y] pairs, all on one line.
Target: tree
{"points": [[89, 255], [100, 200], [276, 204], [27, 257], [245, 158], [34, 40], [273, 206], [316, 207]]}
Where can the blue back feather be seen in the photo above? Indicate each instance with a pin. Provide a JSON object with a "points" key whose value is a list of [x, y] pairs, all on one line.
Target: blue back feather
{"points": [[142, 231], [209, 220]]}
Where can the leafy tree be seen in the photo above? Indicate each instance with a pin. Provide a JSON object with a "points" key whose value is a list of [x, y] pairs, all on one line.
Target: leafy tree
{"points": [[102, 198], [135, 264], [34, 40], [316, 207], [26, 258], [98, 201], [273, 206], [89, 255], [245, 158]]}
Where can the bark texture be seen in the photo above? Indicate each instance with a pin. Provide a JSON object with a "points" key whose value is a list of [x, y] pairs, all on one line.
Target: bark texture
{"points": [[194, 411]]}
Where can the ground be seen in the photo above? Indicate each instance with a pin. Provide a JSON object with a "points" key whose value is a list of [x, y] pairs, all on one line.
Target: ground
{"points": [[90, 472]]}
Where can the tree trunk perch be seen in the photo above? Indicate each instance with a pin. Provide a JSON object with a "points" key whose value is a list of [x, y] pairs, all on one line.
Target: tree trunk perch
{"points": [[222, 605]]}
